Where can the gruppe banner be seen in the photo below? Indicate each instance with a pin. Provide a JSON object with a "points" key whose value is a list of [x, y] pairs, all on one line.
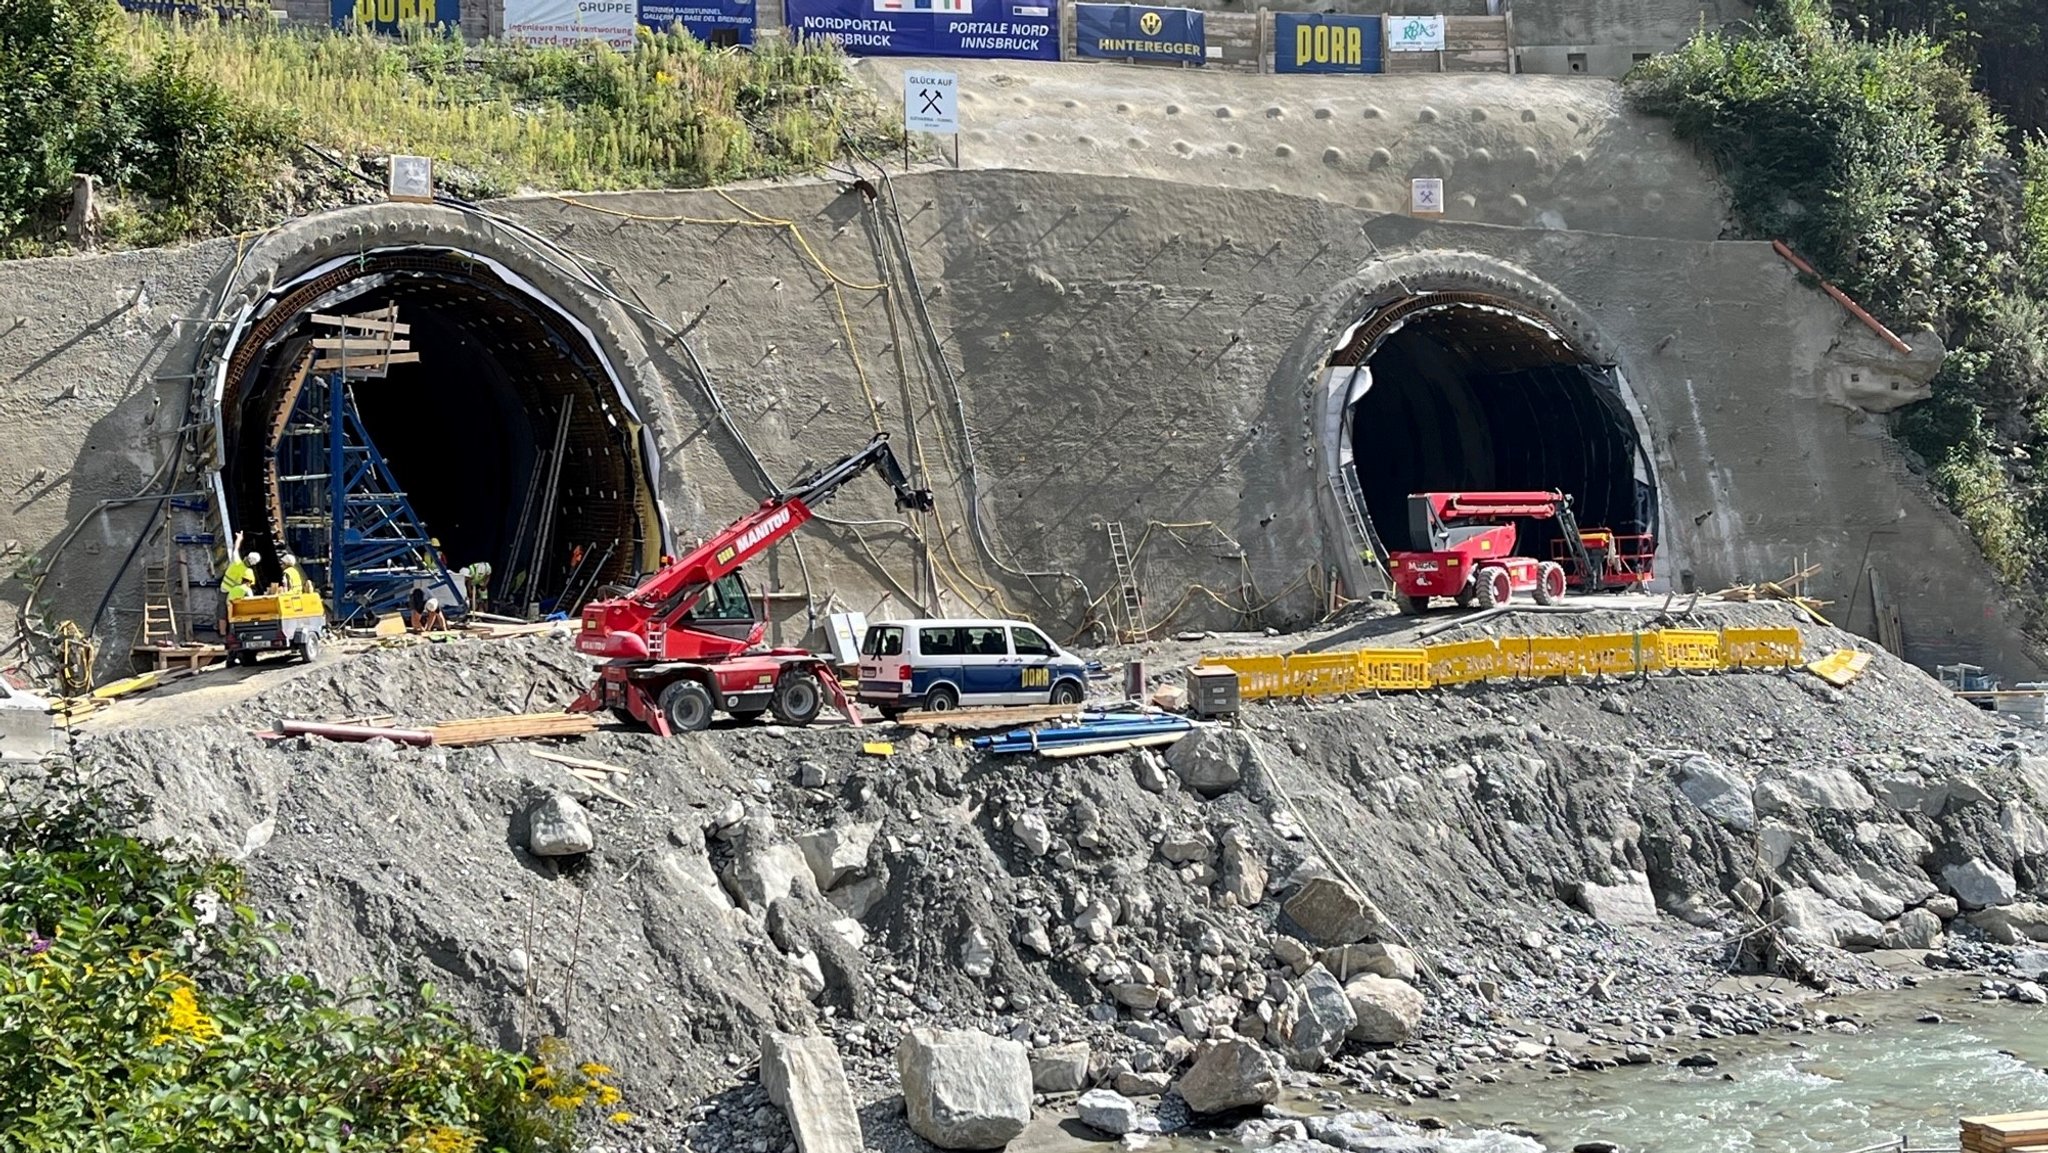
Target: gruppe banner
{"points": [[571, 21], [1009, 29], [1304, 42], [387, 15], [722, 22], [1131, 32]]}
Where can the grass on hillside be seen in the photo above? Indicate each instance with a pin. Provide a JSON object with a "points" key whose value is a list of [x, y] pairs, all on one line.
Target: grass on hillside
{"points": [[195, 125]]}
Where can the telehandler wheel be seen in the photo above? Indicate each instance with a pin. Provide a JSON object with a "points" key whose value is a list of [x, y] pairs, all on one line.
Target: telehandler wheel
{"points": [[1413, 606], [1549, 583], [797, 699], [687, 706]]}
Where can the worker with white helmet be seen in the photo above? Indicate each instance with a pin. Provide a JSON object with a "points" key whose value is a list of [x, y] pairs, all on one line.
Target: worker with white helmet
{"points": [[294, 580], [430, 618], [239, 578]]}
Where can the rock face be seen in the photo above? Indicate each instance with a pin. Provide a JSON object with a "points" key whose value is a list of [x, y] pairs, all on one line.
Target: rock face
{"points": [[1629, 903], [559, 827], [1718, 791], [1060, 1069], [1387, 1011], [1979, 884], [1329, 912], [803, 1076], [1108, 1112], [1232, 1075], [1312, 1023], [1210, 761], [964, 1089]]}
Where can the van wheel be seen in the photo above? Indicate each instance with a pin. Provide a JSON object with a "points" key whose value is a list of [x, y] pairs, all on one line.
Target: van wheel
{"points": [[942, 699], [687, 706], [1066, 693], [797, 698]]}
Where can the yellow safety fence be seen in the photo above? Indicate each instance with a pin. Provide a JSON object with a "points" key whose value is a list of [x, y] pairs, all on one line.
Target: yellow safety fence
{"points": [[1513, 658]]}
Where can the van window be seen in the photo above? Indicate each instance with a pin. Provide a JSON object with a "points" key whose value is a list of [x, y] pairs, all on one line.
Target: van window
{"points": [[941, 642], [1030, 643], [987, 641], [882, 641]]}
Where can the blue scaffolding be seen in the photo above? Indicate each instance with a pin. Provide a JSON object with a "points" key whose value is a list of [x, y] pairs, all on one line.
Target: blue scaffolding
{"points": [[345, 516]]}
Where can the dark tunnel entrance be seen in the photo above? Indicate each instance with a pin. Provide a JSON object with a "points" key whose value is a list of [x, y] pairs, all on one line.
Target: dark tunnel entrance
{"points": [[1450, 392], [467, 432]]}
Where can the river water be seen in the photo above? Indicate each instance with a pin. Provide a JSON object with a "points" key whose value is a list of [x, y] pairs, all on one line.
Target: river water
{"points": [[1828, 1093]]}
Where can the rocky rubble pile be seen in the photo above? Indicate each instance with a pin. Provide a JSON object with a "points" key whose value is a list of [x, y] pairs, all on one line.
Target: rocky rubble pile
{"points": [[1396, 896]]}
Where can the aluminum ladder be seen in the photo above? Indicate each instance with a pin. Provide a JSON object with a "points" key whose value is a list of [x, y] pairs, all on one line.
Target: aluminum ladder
{"points": [[1133, 605]]}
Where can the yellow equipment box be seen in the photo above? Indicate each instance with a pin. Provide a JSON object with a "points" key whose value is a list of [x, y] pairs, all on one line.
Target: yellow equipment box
{"points": [[278, 606]]}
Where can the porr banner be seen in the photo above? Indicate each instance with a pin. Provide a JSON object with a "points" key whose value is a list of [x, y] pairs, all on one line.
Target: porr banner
{"points": [[572, 21], [1006, 29], [1326, 43], [387, 16], [1131, 32], [719, 22]]}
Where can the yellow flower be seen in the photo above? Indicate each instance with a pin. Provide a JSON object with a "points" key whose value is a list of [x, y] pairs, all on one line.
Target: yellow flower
{"points": [[565, 1102], [443, 1139], [621, 1117], [608, 1096], [185, 1017], [593, 1070]]}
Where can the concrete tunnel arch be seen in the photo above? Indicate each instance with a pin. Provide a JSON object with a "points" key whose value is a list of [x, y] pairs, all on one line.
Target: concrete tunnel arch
{"points": [[1456, 371], [503, 345]]}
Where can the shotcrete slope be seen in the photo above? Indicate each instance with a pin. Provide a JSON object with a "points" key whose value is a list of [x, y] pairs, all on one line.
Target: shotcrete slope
{"points": [[1044, 899]]}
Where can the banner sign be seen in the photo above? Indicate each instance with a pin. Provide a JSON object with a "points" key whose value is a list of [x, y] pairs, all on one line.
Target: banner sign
{"points": [[387, 15], [1415, 34], [223, 10], [1005, 29], [1129, 32], [562, 22], [1326, 43], [712, 21]]}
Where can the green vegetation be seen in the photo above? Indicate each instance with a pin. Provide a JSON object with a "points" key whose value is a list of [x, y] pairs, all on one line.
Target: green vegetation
{"points": [[194, 126], [1877, 160], [139, 1010]]}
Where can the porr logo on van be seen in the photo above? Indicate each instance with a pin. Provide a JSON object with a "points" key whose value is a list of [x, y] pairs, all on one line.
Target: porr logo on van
{"points": [[1150, 23]]}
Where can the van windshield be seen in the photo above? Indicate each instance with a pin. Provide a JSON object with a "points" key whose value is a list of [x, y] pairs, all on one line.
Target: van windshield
{"points": [[882, 641]]}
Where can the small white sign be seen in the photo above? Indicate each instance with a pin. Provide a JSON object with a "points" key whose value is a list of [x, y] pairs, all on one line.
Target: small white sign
{"points": [[931, 103], [1426, 196], [1415, 33], [412, 178]]}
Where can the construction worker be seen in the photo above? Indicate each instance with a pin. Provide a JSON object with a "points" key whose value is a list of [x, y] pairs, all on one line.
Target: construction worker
{"points": [[430, 618], [440, 558], [238, 580], [294, 580], [478, 576]]}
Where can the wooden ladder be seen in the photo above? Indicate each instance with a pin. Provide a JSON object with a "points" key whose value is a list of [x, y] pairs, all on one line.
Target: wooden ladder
{"points": [[159, 614], [1133, 605]]}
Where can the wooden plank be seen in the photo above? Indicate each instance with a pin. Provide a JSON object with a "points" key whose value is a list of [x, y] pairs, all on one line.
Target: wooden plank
{"points": [[366, 361], [579, 762], [122, 688], [988, 718], [1095, 748], [366, 345], [363, 322], [484, 730]]}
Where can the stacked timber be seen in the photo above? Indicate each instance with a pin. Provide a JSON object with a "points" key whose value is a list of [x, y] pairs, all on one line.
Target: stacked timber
{"points": [[484, 730], [2006, 1133]]}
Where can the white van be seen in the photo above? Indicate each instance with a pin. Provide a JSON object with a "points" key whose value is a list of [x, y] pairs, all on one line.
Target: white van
{"points": [[947, 664]]}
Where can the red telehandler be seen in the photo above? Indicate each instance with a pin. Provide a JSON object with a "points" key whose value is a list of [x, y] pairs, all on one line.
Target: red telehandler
{"points": [[1471, 555], [687, 643]]}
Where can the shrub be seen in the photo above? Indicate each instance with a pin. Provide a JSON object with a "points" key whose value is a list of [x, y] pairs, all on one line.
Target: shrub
{"points": [[139, 1008]]}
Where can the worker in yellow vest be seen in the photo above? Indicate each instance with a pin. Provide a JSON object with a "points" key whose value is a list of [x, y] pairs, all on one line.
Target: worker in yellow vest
{"points": [[238, 580], [294, 580], [478, 578]]}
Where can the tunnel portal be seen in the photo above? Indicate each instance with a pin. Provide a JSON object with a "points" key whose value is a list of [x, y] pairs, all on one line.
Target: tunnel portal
{"points": [[467, 431], [1455, 391]]}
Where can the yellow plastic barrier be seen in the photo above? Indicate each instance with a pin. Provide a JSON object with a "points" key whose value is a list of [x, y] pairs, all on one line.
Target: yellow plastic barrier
{"points": [[1762, 648], [1463, 662], [1393, 670]]}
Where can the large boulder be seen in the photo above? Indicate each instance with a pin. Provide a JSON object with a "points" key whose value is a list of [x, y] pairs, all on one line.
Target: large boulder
{"points": [[1629, 903], [1917, 929], [1979, 884], [764, 873], [1060, 1069], [963, 1089], [1387, 1010], [803, 1076], [1244, 870], [1330, 912], [1808, 918], [1311, 1024], [1107, 1111], [1211, 760], [2013, 924], [1381, 960], [559, 827], [837, 853], [1231, 1075], [1835, 789], [1718, 791], [2025, 833]]}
